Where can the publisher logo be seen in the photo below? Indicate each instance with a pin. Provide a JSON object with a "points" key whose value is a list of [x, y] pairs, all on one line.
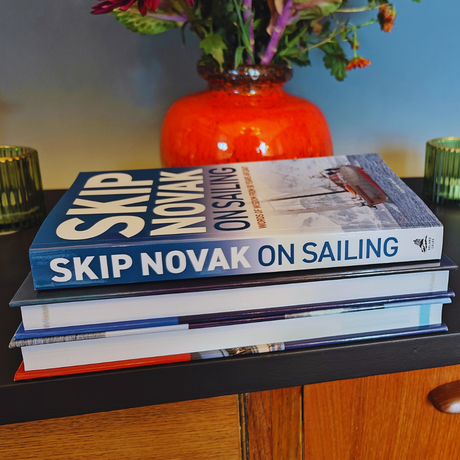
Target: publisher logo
{"points": [[425, 244]]}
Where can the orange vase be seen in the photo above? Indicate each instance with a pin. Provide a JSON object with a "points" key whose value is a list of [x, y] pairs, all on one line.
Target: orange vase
{"points": [[243, 115]]}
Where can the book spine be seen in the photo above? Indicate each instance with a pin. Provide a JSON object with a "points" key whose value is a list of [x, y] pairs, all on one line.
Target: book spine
{"points": [[99, 265], [196, 340], [206, 320], [22, 374]]}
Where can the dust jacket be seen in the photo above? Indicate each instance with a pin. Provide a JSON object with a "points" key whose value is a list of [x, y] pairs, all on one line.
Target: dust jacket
{"points": [[232, 219]]}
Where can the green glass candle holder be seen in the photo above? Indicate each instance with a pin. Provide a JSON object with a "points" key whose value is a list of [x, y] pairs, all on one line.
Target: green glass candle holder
{"points": [[21, 192], [442, 171]]}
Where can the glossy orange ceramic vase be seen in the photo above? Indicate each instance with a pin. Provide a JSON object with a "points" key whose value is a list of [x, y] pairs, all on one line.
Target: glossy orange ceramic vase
{"points": [[243, 115]]}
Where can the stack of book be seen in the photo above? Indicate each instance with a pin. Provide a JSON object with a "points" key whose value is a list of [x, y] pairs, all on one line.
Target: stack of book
{"points": [[144, 267]]}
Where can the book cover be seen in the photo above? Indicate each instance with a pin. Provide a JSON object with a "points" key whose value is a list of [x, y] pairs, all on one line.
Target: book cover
{"points": [[152, 344], [22, 374], [261, 217]]}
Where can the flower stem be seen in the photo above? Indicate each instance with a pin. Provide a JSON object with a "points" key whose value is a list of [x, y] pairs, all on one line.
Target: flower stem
{"points": [[246, 39], [278, 30], [166, 17], [355, 41], [247, 16], [326, 40], [359, 9]]}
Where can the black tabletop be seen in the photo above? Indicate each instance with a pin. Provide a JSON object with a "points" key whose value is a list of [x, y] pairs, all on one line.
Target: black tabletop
{"points": [[110, 390]]}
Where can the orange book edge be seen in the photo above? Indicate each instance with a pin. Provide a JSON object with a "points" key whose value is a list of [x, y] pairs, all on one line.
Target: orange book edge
{"points": [[22, 374]]}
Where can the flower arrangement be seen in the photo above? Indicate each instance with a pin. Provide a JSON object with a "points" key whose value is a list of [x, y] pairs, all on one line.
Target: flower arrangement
{"points": [[235, 32]]}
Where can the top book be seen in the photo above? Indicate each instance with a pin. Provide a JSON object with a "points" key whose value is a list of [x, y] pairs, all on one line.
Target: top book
{"points": [[271, 216]]}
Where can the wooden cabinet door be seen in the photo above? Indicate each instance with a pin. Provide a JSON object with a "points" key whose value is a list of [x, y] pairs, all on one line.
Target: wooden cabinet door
{"points": [[386, 417], [189, 430], [272, 424]]}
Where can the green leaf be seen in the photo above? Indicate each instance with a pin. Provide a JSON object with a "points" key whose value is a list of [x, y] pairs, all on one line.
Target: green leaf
{"points": [[215, 46], [145, 25], [292, 42], [257, 23], [335, 59], [239, 56], [336, 65], [301, 60]]}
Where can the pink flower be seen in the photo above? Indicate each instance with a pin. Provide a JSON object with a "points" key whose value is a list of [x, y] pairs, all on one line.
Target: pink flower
{"points": [[356, 62], [107, 6]]}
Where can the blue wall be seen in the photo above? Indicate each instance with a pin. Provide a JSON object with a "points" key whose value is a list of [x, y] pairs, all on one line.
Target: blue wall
{"points": [[90, 95]]}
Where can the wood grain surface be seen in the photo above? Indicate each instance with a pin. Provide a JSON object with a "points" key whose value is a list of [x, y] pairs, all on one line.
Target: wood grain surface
{"points": [[386, 417], [192, 430], [274, 424]]}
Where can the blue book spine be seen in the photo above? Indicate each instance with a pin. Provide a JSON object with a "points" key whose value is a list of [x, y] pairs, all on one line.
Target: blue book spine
{"points": [[161, 224]]}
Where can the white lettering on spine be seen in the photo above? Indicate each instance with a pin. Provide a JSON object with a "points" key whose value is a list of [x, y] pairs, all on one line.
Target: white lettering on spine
{"points": [[218, 260], [120, 262], [67, 274], [170, 260], [83, 268], [176, 261], [104, 267], [147, 262], [237, 257], [198, 263]]}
